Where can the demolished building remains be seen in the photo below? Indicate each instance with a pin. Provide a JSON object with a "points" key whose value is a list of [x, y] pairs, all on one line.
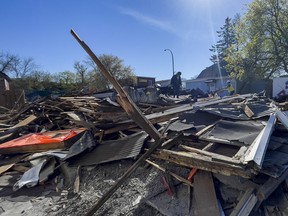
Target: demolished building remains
{"points": [[217, 156]]}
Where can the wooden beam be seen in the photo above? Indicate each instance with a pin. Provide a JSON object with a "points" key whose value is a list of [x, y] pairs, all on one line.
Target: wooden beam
{"points": [[179, 178], [213, 155], [204, 196], [203, 162], [249, 113], [199, 133]]}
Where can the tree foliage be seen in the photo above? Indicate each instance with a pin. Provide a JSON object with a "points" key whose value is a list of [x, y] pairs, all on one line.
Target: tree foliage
{"points": [[226, 37], [115, 65], [262, 42], [27, 75]]}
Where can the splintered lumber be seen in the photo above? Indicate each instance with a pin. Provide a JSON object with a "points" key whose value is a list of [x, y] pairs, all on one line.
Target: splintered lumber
{"points": [[248, 111], [204, 196], [76, 187], [26, 121], [199, 133], [124, 99], [22, 123], [211, 154], [4, 168], [179, 178], [203, 162]]}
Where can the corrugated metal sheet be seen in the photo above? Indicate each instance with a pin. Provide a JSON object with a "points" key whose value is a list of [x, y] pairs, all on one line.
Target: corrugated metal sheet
{"points": [[242, 131], [180, 126], [112, 150]]}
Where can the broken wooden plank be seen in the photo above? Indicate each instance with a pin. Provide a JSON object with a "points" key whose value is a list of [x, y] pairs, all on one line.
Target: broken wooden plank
{"points": [[211, 138], [5, 168], [76, 187], [217, 101], [179, 178], [10, 131], [203, 162], [204, 196], [249, 113], [20, 168], [124, 99], [199, 133], [209, 146], [211, 154]]}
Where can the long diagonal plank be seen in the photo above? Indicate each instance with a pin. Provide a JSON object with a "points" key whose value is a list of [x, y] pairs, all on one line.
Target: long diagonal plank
{"points": [[133, 111], [124, 99]]}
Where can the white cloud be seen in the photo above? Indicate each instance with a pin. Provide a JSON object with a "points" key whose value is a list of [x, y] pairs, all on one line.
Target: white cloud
{"points": [[164, 25]]}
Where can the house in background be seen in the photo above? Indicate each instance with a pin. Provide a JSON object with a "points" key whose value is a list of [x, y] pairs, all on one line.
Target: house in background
{"points": [[211, 79], [10, 99], [164, 83], [143, 82]]}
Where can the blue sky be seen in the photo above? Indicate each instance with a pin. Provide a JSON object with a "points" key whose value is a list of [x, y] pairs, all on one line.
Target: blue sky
{"points": [[136, 31]]}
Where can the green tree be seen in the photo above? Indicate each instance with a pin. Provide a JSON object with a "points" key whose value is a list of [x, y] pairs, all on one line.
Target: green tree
{"points": [[66, 80], [226, 37], [262, 42], [36, 80], [115, 65]]}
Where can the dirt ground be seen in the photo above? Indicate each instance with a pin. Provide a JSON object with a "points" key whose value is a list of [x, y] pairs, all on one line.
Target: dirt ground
{"points": [[129, 199]]}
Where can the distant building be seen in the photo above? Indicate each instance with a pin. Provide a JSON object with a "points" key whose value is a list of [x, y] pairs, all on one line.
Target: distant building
{"points": [[4, 82], [10, 99], [143, 82], [211, 79], [163, 83]]}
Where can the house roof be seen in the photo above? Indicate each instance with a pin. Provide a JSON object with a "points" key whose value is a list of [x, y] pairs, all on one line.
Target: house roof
{"points": [[213, 72]]}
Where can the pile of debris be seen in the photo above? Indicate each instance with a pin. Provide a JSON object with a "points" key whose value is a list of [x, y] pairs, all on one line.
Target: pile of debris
{"points": [[218, 156], [231, 153]]}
